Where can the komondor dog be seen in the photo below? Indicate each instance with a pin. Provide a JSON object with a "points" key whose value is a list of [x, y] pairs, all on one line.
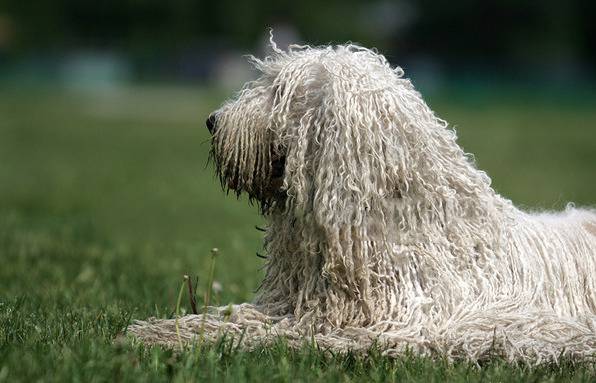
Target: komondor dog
{"points": [[381, 231]]}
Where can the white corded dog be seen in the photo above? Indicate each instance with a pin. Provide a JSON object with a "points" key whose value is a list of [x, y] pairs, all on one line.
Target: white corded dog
{"points": [[381, 231]]}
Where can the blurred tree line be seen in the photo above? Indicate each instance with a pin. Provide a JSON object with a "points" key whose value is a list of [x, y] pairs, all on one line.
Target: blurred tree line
{"points": [[466, 32]]}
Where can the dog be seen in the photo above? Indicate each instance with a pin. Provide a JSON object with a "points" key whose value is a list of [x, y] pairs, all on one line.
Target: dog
{"points": [[381, 230]]}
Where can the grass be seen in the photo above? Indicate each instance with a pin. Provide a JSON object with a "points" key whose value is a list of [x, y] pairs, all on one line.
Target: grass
{"points": [[105, 203]]}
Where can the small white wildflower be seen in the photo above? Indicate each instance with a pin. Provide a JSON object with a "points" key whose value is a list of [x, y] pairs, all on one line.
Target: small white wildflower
{"points": [[217, 287]]}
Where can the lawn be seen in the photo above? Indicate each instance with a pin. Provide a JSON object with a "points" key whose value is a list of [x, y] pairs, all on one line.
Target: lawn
{"points": [[106, 200]]}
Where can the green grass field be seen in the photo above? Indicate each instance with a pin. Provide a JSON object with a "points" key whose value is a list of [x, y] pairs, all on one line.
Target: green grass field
{"points": [[106, 201]]}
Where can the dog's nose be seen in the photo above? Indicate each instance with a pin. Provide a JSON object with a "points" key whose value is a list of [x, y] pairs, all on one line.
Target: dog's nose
{"points": [[211, 123]]}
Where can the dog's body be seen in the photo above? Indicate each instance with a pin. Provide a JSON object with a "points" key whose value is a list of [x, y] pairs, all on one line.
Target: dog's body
{"points": [[382, 231]]}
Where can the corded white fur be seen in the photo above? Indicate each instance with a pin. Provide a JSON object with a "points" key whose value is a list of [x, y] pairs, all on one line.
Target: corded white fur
{"points": [[384, 232]]}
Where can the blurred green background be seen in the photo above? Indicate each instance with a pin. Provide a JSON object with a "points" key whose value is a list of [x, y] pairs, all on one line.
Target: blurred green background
{"points": [[103, 102], [106, 198]]}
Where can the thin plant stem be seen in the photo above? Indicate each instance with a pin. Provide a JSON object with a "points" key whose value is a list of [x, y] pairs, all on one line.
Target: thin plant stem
{"points": [[214, 253], [178, 310], [191, 293]]}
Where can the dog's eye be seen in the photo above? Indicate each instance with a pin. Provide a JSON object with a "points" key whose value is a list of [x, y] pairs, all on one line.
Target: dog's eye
{"points": [[277, 167]]}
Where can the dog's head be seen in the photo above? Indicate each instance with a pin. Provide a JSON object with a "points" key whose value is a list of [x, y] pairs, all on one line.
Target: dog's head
{"points": [[331, 131]]}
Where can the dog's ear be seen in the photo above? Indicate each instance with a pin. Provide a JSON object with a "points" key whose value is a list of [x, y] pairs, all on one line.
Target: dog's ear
{"points": [[343, 163], [344, 159]]}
